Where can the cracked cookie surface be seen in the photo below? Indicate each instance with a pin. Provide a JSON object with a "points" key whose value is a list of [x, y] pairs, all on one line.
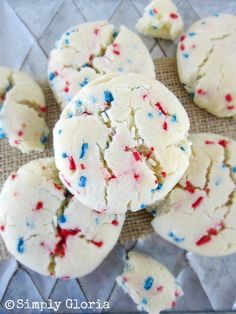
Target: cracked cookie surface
{"points": [[199, 214], [150, 285], [161, 20], [22, 111], [90, 50], [121, 144], [206, 60], [47, 229]]}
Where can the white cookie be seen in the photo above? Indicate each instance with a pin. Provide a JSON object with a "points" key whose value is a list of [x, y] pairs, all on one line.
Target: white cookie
{"points": [[49, 231], [22, 111], [121, 143], [199, 214], [206, 58], [150, 285], [90, 50], [161, 19]]}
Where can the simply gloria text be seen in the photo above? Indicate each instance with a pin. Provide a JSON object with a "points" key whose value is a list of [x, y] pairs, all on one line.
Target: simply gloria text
{"points": [[74, 304]]}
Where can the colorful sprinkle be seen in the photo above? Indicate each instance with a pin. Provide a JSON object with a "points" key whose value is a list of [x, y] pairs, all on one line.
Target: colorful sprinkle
{"points": [[186, 55], [64, 155], [72, 165], [234, 169], [228, 98], [21, 245], [97, 243], [150, 115], [182, 38], [223, 143], [2, 134], [189, 187], [192, 34], [148, 283], [173, 15], [82, 181], [39, 205], [197, 202], [203, 240], [115, 222], [84, 82], [83, 150], [143, 206], [175, 238], [78, 103], [62, 219], [201, 92], [51, 76], [43, 138], [108, 96]]}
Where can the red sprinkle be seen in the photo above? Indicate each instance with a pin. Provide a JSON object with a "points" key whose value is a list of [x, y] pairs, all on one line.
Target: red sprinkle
{"points": [[174, 15], [91, 57], [189, 187], [60, 248], [136, 176], [205, 239], [96, 31], [20, 133], [223, 143], [155, 10], [197, 202], [82, 166], [112, 177], [43, 109], [116, 52], [159, 107], [115, 222], [173, 304], [66, 89], [148, 155], [57, 186], [228, 98], [163, 173], [182, 47], [72, 165], [230, 107], [2, 228], [177, 293], [165, 126], [97, 243], [13, 176], [160, 288], [201, 92], [212, 231], [136, 156], [39, 205], [182, 38], [145, 96], [209, 142]]}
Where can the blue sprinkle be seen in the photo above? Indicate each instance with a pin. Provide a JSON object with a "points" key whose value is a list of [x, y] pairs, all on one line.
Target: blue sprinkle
{"points": [[83, 150], [78, 103], [51, 76], [150, 115], [115, 34], [151, 13], [64, 155], [174, 118], [153, 212], [62, 219], [192, 34], [69, 114], [186, 55], [44, 138], [182, 148], [97, 221], [234, 169], [85, 82], [159, 186], [108, 96], [175, 238], [148, 283], [66, 41], [20, 246], [67, 33], [142, 206], [2, 134], [144, 301], [85, 65], [192, 95], [82, 181], [60, 131]]}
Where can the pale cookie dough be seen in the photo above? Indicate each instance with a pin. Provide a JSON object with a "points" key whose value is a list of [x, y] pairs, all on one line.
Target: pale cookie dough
{"points": [[149, 284], [206, 58], [121, 143], [47, 229], [22, 111], [161, 19], [199, 214], [90, 50]]}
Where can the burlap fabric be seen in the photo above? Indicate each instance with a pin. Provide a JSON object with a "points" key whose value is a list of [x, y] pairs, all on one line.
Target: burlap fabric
{"points": [[137, 224]]}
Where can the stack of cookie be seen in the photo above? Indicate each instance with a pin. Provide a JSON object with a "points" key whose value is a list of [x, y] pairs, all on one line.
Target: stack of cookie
{"points": [[122, 144]]}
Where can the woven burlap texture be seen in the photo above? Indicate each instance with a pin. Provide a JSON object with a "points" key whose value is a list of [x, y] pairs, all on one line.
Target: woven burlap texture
{"points": [[136, 224]]}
